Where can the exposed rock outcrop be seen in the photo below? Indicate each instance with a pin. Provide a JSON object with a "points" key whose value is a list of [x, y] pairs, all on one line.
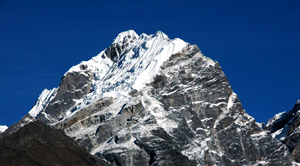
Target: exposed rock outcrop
{"points": [[73, 86], [285, 126]]}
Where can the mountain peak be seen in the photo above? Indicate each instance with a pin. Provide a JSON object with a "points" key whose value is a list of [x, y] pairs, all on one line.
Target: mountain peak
{"points": [[130, 62], [151, 100], [124, 36], [120, 43], [160, 33]]}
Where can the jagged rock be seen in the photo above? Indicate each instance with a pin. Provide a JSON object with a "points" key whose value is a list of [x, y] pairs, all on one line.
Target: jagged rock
{"points": [[149, 100], [117, 47], [285, 127], [73, 86]]}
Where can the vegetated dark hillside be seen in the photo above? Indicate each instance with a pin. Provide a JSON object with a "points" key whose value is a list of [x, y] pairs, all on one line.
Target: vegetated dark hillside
{"points": [[38, 144]]}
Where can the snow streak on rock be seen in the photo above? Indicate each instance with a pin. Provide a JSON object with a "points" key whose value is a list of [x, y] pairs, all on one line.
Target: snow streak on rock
{"points": [[42, 102]]}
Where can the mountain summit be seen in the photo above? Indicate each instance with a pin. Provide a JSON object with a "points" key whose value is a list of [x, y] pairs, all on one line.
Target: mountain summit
{"points": [[151, 100]]}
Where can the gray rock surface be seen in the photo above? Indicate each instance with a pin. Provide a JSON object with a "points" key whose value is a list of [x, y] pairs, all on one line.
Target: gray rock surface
{"points": [[286, 127], [187, 114], [73, 86]]}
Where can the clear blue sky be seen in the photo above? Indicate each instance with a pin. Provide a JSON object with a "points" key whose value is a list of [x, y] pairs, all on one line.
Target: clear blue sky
{"points": [[256, 42]]}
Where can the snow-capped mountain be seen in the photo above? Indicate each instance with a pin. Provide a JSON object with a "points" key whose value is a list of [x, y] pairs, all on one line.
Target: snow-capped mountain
{"points": [[151, 100], [139, 60]]}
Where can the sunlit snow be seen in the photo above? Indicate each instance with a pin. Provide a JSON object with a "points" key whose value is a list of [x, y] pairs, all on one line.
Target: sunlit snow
{"points": [[42, 101], [3, 128]]}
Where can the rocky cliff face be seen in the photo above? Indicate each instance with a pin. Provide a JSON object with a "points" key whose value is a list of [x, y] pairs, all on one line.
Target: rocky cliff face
{"points": [[150, 100], [73, 86], [285, 126]]}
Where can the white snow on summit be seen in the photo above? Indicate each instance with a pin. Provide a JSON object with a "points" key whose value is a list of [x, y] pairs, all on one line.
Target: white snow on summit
{"points": [[100, 64], [140, 61], [121, 38]]}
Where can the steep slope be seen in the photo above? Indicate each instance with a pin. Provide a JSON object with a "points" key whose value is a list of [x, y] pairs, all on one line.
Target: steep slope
{"points": [[38, 144], [285, 126], [150, 100]]}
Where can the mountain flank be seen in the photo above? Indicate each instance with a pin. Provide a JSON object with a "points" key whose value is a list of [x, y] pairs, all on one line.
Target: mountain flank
{"points": [[147, 100], [37, 144]]}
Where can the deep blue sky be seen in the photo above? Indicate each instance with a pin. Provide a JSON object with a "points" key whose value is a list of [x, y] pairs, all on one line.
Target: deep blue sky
{"points": [[256, 42]]}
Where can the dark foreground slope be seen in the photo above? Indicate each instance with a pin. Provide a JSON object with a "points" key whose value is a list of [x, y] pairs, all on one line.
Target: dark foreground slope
{"points": [[38, 144]]}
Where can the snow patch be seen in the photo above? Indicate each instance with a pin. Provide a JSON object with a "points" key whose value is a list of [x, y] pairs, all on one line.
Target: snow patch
{"points": [[112, 146], [3, 128], [231, 100], [275, 118], [156, 61], [230, 103], [45, 97], [260, 134], [99, 65], [158, 112], [281, 133]]}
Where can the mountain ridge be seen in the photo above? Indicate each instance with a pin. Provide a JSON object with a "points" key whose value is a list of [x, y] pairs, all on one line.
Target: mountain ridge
{"points": [[285, 126], [150, 100]]}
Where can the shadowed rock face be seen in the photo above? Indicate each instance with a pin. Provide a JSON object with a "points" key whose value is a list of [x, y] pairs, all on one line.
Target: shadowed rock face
{"points": [[287, 125], [16, 126], [115, 49], [38, 144], [73, 86]]}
